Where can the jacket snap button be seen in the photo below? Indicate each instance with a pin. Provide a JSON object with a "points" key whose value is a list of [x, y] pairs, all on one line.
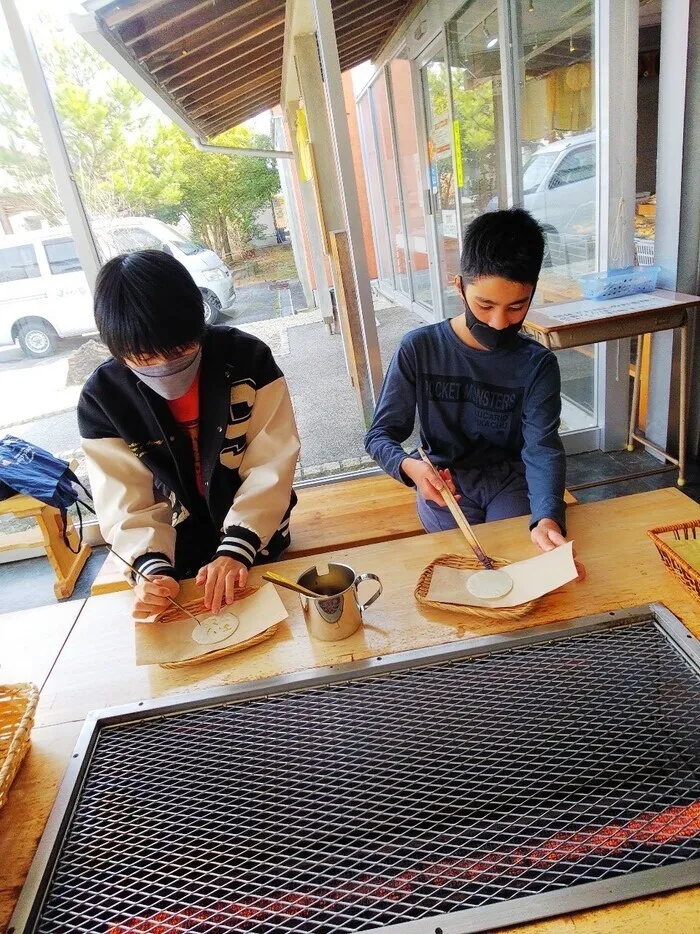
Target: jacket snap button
{"points": [[219, 429], [172, 437]]}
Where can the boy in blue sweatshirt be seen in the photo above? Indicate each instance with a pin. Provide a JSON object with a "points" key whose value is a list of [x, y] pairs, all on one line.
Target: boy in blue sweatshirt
{"points": [[488, 398]]}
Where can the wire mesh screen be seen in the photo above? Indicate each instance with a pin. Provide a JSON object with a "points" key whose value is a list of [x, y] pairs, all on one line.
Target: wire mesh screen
{"points": [[392, 798]]}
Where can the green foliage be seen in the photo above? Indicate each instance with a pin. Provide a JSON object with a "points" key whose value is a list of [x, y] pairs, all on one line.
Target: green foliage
{"points": [[127, 159]]}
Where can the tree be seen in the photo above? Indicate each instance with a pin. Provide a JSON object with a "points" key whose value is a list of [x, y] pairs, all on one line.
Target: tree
{"points": [[127, 159]]}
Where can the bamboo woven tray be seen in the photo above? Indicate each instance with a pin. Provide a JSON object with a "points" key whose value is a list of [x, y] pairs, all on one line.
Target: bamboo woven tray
{"points": [[466, 563], [685, 573], [197, 607], [17, 706]]}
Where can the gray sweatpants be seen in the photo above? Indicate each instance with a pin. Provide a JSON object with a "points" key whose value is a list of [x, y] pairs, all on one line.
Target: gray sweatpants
{"points": [[498, 491]]}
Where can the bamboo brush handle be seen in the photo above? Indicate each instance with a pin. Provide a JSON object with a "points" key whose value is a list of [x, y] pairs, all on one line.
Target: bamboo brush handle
{"points": [[459, 516]]}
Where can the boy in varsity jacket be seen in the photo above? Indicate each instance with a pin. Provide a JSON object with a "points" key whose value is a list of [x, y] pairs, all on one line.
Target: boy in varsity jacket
{"points": [[189, 436], [488, 398]]}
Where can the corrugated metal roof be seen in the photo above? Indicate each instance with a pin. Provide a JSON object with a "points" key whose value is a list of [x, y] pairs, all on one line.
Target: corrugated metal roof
{"points": [[220, 61]]}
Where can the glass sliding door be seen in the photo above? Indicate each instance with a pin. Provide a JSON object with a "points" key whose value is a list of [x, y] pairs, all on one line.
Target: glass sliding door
{"points": [[559, 166], [392, 198], [475, 72], [382, 240], [442, 182], [411, 178]]}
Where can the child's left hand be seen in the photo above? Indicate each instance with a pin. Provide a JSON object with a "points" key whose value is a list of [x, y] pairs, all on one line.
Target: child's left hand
{"points": [[220, 578], [547, 536]]}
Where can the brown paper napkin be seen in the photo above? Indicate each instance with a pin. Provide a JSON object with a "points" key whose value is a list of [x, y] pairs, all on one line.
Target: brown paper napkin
{"points": [[532, 578], [160, 643]]}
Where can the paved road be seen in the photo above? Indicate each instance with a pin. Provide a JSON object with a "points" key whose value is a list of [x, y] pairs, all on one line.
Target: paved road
{"points": [[263, 300]]}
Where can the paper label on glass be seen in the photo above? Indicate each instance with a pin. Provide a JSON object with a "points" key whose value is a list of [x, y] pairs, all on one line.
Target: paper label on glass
{"points": [[449, 224], [531, 578]]}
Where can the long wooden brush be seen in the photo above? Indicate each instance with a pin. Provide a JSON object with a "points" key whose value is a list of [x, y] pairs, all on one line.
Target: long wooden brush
{"points": [[459, 516]]}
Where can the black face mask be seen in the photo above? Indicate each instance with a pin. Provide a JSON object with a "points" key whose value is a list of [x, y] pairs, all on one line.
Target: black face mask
{"points": [[491, 338]]}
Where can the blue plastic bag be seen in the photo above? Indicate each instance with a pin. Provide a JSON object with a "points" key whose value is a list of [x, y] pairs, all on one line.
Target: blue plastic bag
{"points": [[26, 468]]}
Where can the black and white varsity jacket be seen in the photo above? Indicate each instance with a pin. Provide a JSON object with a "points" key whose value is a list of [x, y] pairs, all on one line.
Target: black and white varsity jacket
{"points": [[142, 471]]}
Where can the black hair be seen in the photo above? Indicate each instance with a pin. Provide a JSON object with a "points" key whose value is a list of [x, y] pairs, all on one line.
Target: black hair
{"points": [[147, 304], [509, 244]]}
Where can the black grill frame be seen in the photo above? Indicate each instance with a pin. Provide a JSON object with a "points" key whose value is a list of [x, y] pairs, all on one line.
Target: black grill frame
{"points": [[528, 908]]}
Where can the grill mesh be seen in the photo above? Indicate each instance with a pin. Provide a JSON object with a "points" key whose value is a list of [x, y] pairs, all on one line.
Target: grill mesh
{"points": [[390, 798]]}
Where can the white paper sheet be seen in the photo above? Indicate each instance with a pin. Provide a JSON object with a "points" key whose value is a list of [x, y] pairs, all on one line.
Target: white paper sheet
{"points": [[164, 643], [532, 578], [589, 310]]}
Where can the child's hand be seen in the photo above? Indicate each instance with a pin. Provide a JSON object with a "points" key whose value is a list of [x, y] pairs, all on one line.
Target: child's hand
{"points": [[547, 536], [151, 597], [220, 578], [426, 482]]}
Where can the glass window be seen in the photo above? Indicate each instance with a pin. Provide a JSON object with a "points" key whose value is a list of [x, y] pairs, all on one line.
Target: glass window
{"points": [[475, 70], [18, 262], [558, 145], [443, 190], [411, 181], [62, 256], [135, 238], [374, 191], [576, 166], [387, 163]]}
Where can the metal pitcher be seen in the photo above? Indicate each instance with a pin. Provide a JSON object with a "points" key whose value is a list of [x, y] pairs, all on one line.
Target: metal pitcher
{"points": [[338, 613]]}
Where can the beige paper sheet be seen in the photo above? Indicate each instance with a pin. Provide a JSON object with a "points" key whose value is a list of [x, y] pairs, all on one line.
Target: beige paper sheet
{"points": [[164, 643], [532, 578]]}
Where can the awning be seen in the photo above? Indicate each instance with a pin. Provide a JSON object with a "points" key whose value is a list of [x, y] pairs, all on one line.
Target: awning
{"points": [[217, 63]]}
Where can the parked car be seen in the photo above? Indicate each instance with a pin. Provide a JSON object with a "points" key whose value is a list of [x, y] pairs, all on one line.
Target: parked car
{"points": [[559, 189], [43, 291], [146, 233], [44, 294]]}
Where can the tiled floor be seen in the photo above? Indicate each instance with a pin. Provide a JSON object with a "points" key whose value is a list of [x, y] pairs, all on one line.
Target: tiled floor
{"points": [[28, 584]]}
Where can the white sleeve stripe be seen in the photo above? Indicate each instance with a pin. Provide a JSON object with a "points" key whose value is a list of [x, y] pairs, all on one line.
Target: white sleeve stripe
{"points": [[149, 567], [233, 550], [239, 542]]}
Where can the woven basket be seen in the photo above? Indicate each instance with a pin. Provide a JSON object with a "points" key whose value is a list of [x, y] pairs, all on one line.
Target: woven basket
{"points": [[681, 570], [17, 706], [197, 607], [466, 563]]}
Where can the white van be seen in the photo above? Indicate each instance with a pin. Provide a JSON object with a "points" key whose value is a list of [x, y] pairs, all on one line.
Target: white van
{"points": [[559, 189], [44, 294], [43, 291], [213, 277]]}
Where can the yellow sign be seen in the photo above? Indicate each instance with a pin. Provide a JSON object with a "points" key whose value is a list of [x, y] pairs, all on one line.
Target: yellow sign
{"points": [[456, 139], [305, 161]]}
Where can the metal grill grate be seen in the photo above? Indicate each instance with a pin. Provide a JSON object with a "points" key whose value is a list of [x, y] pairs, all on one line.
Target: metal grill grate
{"points": [[393, 798]]}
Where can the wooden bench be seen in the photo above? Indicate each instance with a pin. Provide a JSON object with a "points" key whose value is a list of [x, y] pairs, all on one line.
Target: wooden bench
{"points": [[331, 517], [67, 564]]}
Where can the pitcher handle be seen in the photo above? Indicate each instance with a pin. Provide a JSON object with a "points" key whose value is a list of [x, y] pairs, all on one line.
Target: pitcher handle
{"points": [[369, 577]]}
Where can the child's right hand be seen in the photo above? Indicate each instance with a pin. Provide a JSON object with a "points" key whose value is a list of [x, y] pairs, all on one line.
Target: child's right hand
{"points": [[426, 482], [151, 597]]}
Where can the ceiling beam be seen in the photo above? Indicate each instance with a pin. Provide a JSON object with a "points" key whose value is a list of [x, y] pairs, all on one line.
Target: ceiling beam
{"points": [[243, 106], [215, 74], [229, 85], [125, 13], [136, 31], [242, 15], [215, 108], [183, 64], [213, 64], [198, 109], [256, 67]]}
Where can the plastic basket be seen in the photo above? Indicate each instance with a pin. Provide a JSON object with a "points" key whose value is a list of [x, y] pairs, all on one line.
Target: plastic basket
{"points": [[616, 283]]}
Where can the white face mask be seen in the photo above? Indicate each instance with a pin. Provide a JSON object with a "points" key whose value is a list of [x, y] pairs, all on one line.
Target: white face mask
{"points": [[171, 379]]}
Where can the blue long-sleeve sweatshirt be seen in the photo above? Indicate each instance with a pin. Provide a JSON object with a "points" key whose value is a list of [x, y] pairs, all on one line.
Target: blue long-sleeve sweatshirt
{"points": [[475, 408]]}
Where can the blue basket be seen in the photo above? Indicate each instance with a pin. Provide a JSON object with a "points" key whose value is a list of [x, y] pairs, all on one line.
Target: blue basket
{"points": [[618, 282]]}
